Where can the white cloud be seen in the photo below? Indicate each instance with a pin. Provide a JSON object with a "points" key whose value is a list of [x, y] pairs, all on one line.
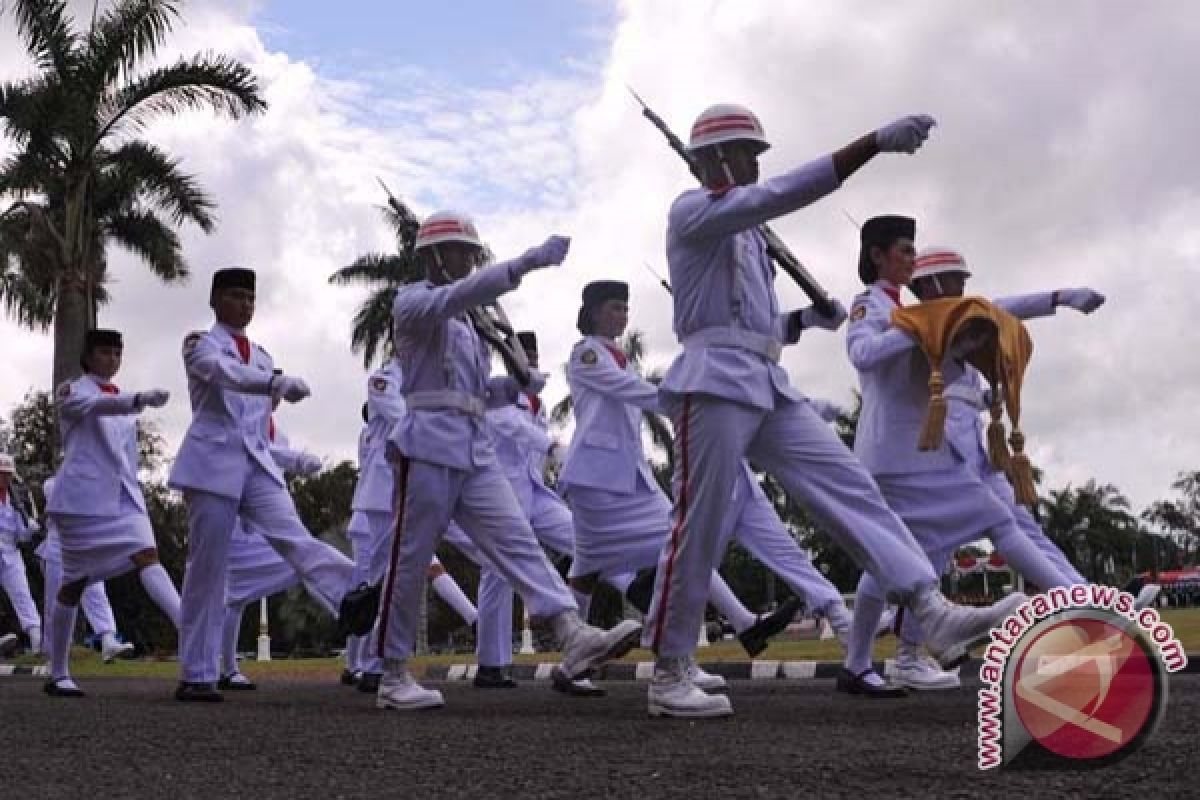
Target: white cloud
{"points": [[1061, 158]]}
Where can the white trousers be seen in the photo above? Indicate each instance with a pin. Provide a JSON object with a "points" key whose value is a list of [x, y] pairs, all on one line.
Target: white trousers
{"points": [[16, 584], [757, 528], [794, 445], [267, 506], [481, 501]]}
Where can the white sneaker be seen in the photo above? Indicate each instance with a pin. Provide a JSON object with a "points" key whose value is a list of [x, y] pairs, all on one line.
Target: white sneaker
{"points": [[8, 644], [914, 672], [951, 630], [399, 690], [111, 649], [704, 681], [672, 694], [586, 647], [1146, 597]]}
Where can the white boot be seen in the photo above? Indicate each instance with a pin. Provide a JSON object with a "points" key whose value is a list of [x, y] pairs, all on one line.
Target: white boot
{"points": [[584, 648], [399, 690], [704, 681], [672, 694], [111, 649], [915, 672], [950, 630]]}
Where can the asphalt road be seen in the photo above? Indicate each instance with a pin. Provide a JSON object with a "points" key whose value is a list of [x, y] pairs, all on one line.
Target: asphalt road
{"points": [[306, 739]]}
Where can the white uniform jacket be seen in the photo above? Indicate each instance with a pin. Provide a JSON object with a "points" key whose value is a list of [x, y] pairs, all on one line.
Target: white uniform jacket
{"points": [[385, 407], [446, 370], [230, 413], [100, 458], [726, 313], [606, 447]]}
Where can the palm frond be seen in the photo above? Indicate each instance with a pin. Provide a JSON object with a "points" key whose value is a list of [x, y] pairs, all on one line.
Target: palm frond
{"points": [[206, 81], [149, 238], [139, 169], [45, 27], [24, 302], [374, 269], [128, 33], [372, 326]]}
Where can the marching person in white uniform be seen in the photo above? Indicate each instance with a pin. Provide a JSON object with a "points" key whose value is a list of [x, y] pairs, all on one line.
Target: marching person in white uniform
{"points": [[225, 469], [94, 601], [445, 462], [374, 504], [254, 569], [96, 502], [16, 526], [622, 516], [729, 399], [941, 495]]}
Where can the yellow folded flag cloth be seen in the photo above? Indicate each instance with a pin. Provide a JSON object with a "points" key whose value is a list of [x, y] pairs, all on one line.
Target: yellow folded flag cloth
{"points": [[1000, 348]]}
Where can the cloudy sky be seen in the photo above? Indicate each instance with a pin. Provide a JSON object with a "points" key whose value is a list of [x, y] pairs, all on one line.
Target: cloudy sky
{"points": [[1062, 157]]}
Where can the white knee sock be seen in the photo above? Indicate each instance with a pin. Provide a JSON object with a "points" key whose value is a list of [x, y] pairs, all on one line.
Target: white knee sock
{"points": [[161, 590], [452, 593], [727, 605], [230, 627], [860, 643], [584, 601], [58, 640]]}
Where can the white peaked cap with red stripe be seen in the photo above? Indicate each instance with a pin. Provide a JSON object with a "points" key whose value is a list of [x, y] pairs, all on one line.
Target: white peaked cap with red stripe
{"points": [[939, 261], [726, 122], [447, 226]]}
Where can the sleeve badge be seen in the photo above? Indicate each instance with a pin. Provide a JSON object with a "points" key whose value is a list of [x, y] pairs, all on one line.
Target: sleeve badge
{"points": [[858, 313], [588, 357], [190, 341], [379, 384]]}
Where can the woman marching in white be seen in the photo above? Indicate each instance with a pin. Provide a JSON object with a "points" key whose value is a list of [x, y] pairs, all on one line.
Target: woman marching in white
{"points": [[97, 502]]}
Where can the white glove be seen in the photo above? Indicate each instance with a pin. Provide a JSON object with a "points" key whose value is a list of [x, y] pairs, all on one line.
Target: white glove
{"points": [[153, 398], [827, 409], [904, 135], [307, 464], [549, 253], [291, 388], [811, 318], [1085, 300]]}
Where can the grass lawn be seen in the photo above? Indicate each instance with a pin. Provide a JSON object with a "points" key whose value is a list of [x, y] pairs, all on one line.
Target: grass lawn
{"points": [[86, 663]]}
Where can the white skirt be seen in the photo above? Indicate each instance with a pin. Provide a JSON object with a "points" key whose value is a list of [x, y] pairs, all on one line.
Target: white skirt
{"points": [[99, 548], [617, 533]]}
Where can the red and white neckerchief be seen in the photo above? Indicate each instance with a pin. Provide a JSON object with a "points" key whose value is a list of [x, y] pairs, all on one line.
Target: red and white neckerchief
{"points": [[535, 403], [109, 388], [243, 347], [271, 429], [618, 354], [892, 292]]}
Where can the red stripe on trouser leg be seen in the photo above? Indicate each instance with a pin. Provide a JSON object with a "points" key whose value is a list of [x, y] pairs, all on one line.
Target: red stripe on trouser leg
{"points": [[678, 529], [385, 608]]}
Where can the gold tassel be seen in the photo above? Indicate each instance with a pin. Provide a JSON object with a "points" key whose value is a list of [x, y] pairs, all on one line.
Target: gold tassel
{"points": [[1021, 472], [934, 429], [997, 447]]}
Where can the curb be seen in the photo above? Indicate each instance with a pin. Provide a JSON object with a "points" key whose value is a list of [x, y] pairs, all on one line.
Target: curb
{"points": [[758, 670]]}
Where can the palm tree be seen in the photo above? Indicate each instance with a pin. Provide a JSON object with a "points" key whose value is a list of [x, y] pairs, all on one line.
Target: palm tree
{"points": [[383, 274], [78, 179], [1093, 519], [1180, 519]]}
